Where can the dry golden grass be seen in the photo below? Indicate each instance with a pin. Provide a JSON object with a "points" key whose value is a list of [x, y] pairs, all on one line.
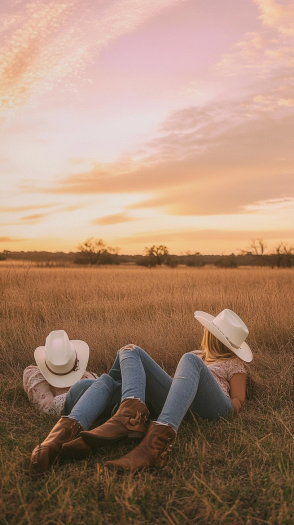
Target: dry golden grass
{"points": [[228, 472]]}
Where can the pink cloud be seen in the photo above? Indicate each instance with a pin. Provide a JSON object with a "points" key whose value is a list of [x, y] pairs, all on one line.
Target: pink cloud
{"points": [[289, 102], [117, 218], [213, 160], [47, 41], [268, 52], [277, 15]]}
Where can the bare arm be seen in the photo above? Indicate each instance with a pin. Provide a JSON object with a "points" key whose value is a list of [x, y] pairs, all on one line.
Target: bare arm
{"points": [[238, 390]]}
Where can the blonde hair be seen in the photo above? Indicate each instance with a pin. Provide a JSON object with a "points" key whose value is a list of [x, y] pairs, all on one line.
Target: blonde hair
{"points": [[213, 349]]}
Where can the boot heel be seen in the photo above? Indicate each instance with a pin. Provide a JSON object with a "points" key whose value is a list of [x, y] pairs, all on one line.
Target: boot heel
{"points": [[45, 454]]}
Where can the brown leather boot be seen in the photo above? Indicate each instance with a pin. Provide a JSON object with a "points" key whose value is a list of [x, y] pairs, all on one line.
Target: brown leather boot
{"points": [[127, 423], [76, 449], [44, 455], [151, 452]]}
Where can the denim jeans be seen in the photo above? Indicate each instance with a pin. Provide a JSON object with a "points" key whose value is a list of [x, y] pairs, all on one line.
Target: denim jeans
{"points": [[90, 398], [79, 388], [137, 375]]}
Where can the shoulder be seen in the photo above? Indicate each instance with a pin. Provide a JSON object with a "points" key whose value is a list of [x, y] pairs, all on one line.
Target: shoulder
{"points": [[32, 371], [35, 384], [31, 368], [235, 366], [32, 376]]}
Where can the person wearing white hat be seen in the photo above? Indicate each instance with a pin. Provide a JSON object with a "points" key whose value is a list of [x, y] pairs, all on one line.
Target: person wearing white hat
{"points": [[60, 364], [211, 382], [228, 328]]}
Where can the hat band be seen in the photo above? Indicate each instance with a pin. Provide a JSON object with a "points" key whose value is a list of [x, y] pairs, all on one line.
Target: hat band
{"points": [[232, 344], [74, 369]]}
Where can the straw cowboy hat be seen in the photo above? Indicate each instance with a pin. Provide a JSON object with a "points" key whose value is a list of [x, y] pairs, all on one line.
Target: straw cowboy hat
{"points": [[61, 361], [229, 329]]}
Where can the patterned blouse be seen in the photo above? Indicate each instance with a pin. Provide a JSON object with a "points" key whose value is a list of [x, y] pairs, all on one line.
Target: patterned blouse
{"points": [[223, 371], [45, 397]]}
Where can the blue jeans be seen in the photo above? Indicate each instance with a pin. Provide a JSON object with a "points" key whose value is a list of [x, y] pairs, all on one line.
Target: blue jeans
{"points": [[103, 396], [137, 375]]}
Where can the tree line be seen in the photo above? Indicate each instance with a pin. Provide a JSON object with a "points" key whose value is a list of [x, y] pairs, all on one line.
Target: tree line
{"points": [[96, 252]]}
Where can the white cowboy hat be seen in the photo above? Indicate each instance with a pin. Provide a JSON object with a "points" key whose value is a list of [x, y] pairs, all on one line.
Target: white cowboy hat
{"points": [[61, 361], [229, 329]]}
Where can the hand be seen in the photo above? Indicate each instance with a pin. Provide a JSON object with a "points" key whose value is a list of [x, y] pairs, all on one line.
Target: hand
{"points": [[237, 404]]}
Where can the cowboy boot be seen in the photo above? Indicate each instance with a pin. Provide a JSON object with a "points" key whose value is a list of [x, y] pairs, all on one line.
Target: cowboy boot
{"points": [[76, 449], [151, 452], [127, 422], [45, 454]]}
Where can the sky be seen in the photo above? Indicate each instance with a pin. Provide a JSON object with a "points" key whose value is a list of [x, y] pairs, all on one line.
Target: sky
{"points": [[145, 122]]}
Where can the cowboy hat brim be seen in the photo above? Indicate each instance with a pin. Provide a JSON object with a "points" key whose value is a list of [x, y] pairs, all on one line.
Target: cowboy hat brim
{"points": [[64, 381], [205, 319]]}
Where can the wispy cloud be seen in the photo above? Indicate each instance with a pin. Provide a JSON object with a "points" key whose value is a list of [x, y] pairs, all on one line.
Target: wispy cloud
{"points": [[36, 218], [289, 102], [116, 218], [267, 54], [219, 196], [271, 205], [30, 53], [11, 239], [46, 42], [13, 209], [205, 161], [33, 219], [277, 15], [73, 207], [191, 235]]}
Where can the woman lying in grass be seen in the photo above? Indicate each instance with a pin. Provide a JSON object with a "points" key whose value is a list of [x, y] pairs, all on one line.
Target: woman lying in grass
{"points": [[48, 382], [210, 382]]}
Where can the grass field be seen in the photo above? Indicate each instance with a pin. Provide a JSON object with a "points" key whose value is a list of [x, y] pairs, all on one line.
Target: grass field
{"points": [[227, 472]]}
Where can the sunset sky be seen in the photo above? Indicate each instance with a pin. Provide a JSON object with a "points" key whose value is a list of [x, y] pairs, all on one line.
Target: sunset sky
{"points": [[146, 122]]}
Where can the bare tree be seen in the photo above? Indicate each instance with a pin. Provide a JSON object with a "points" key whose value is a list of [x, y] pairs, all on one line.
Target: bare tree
{"points": [[160, 253], [288, 250], [284, 255], [279, 252], [114, 251], [258, 246], [92, 250]]}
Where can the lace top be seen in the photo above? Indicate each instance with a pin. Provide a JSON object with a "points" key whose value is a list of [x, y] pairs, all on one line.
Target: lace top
{"points": [[45, 397], [223, 371]]}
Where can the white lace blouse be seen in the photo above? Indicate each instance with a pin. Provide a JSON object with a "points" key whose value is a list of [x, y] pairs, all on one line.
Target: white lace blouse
{"points": [[44, 396], [223, 371]]}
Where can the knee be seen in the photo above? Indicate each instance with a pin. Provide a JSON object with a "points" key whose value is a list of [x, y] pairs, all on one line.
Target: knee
{"points": [[192, 359], [108, 381], [136, 351], [78, 386], [128, 347]]}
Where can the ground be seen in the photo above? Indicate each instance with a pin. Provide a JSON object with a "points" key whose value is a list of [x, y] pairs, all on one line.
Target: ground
{"points": [[226, 472]]}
